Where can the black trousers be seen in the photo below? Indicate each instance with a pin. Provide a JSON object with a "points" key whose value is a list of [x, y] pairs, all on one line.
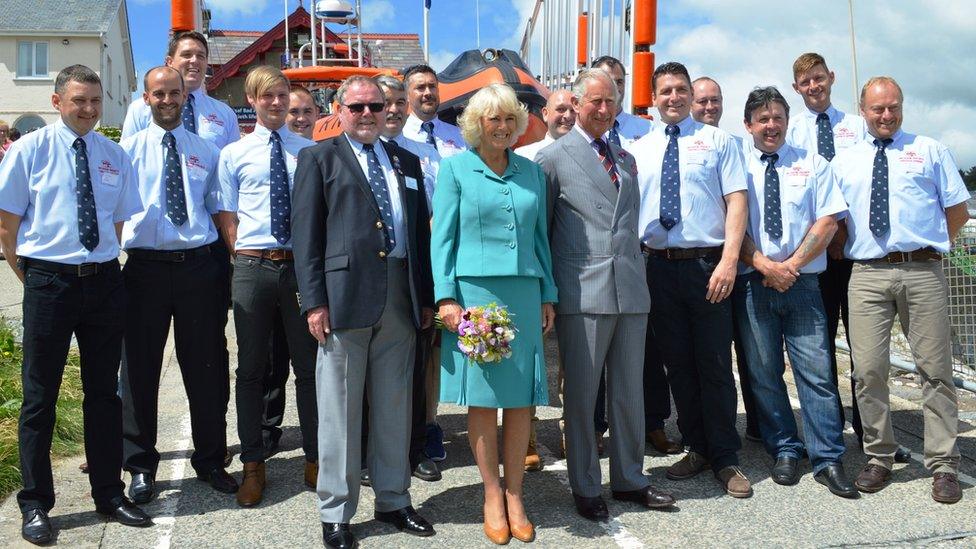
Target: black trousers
{"points": [[833, 290], [261, 289], [695, 339], [184, 293], [275, 379], [220, 253], [93, 309], [748, 399]]}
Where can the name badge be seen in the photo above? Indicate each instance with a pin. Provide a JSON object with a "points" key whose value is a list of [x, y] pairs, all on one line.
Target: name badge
{"points": [[411, 183], [110, 179]]}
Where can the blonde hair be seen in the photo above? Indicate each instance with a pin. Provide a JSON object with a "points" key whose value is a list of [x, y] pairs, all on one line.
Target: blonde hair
{"points": [[874, 80], [806, 62], [492, 99], [261, 78]]}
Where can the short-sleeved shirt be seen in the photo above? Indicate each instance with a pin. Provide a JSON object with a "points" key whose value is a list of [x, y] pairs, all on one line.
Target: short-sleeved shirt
{"points": [[710, 164], [216, 122], [447, 136], [430, 162], [807, 192], [38, 183], [152, 229], [923, 180], [529, 151], [244, 179], [848, 129], [630, 128]]}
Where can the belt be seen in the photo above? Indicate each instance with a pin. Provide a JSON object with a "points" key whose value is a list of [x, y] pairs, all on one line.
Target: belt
{"points": [[82, 270], [923, 254], [275, 254], [682, 253], [170, 256]]}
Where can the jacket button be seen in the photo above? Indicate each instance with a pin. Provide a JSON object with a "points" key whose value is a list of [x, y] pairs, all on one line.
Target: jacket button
{"points": [[508, 207], [379, 224], [505, 190], [382, 255], [510, 226], [511, 245]]}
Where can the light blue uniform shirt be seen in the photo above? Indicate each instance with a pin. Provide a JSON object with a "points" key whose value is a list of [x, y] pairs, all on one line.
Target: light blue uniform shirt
{"points": [[923, 180], [710, 163], [37, 182], [848, 130], [392, 188], [216, 122], [631, 128], [245, 184], [807, 192], [430, 161], [151, 229], [448, 136]]}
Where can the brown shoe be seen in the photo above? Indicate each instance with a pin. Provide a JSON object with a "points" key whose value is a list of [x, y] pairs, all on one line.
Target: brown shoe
{"points": [[252, 487], [660, 441], [872, 478], [687, 467], [945, 488], [83, 467], [532, 460], [311, 474], [735, 482]]}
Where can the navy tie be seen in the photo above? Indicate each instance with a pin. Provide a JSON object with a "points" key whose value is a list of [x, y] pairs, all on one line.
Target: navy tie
{"points": [[377, 181], [87, 219], [825, 137], [173, 175], [615, 133], [429, 128], [280, 198], [879, 222], [607, 161], [189, 115], [671, 181], [773, 214]]}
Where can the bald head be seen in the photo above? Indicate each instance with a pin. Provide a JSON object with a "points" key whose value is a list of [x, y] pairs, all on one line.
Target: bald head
{"points": [[558, 113], [706, 106]]}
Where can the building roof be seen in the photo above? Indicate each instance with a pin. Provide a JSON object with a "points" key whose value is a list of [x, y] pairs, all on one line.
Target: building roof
{"points": [[395, 51], [55, 16], [225, 44]]}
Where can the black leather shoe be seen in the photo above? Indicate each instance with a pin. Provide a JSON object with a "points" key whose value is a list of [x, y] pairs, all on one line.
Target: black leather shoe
{"points": [[785, 471], [406, 520], [648, 497], [142, 488], [903, 455], [592, 508], [219, 480], [338, 536], [125, 512], [833, 477], [37, 527], [427, 470], [228, 458], [364, 478]]}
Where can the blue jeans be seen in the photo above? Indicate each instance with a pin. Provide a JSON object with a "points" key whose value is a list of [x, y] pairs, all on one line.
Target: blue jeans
{"points": [[766, 319]]}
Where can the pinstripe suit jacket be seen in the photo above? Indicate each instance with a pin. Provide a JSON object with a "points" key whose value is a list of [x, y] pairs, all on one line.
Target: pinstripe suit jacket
{"points": [[596, 258]]}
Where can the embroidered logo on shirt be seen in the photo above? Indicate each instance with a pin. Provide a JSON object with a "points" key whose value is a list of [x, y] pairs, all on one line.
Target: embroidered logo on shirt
{"points": [[106, 167], [193, 161], [212, 118], [699, 146], [911, 157], [797, 171]]}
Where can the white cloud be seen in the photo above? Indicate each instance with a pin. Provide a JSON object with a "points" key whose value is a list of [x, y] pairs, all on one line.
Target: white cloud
{"points": [[440, 59], [376, 13], [242, 7]]}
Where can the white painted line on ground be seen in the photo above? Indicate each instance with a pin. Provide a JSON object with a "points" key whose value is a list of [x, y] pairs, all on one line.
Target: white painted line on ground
{"points": [[166, 519]]}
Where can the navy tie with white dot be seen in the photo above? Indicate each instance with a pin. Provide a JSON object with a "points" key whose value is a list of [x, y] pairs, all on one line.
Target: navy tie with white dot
{"points": [[880, 223], [773, 213], [87, 218], [377, 181], [280, 197], [173, 175], [428, 127], [189, 115], [615, 133], [825, 137], [671, 181]]}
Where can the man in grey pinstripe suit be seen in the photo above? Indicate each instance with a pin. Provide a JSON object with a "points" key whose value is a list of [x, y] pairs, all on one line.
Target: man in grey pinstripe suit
{"points": [[602, 314]]}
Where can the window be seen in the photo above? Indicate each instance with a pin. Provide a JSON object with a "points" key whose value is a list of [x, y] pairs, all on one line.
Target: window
{"points": [[32, 60]]}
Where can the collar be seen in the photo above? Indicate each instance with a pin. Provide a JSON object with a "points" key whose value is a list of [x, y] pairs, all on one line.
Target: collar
{"points": [[586, 136], [199, 93], [685, 127], [510, 170], [357, 147], [832, 113], [896, 139], [783, 151], [414, 122], [68, 136], [265, 134], [156, 132]]}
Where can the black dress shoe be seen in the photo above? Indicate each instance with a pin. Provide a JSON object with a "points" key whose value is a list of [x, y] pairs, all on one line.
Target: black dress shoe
{"points": [[36, 527], [406, 520], [125, 512], [647, 496], [219, 480], [832, 476], [903, 455], [142, 488], [427, 470], [338, 536], [592, 508], [785, 471], [364, 478]]}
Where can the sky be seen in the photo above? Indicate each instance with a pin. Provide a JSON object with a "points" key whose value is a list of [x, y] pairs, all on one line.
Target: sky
{"points": [[926, 45]]}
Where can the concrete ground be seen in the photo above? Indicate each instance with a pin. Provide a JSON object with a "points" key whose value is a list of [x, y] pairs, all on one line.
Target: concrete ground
{"points": [[189, 514]]}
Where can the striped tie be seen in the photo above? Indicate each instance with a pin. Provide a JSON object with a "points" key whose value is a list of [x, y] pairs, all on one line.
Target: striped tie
{"points": [[601, 149]]}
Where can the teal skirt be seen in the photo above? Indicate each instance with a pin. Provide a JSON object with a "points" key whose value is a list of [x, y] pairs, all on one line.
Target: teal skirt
{"points": [[515, 382]]}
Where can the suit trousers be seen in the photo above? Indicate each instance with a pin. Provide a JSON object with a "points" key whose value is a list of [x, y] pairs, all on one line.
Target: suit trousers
{"points": [[695, 339], [275, 379], [587, 342], [380, 361], [918, 294], [184, 293], [57, 305], [263, 288], [834, 282]]}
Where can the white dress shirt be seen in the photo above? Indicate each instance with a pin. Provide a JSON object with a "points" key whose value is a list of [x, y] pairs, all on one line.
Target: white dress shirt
{"points": [[216, 122], [430, 161], [392, 188], [630, 128], [848, 130], [529, 151], [447, 136]]}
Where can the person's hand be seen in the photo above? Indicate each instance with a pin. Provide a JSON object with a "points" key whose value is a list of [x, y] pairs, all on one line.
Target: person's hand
{"points": [[721, 282], [548, 318], [318, 323], [779, 276], [426, 317], [450, 313]]}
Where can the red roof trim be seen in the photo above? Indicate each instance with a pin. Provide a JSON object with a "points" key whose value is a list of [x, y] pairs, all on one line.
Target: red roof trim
{"points": [[385, 36], [235, 33]]}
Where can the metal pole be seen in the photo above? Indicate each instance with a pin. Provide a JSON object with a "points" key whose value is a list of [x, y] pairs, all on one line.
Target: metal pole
{"points": [[426, 33], [477, 22], [287, 52], [909, 367], [543, 58], [559, 49], [610, 33], [629, 102], [622, 55], [359, 31], [856, 97], [315, 44]]}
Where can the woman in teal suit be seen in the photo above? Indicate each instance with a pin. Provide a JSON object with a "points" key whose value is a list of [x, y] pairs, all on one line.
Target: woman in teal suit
{"points": [[489, 243]]}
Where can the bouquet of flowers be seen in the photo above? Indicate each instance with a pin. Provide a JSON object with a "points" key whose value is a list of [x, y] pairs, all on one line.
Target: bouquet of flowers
{"points": [[485, 334]]}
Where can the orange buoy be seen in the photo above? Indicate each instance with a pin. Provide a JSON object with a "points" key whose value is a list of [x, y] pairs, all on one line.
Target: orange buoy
{"points": [[645, 22], [182, 15], [581, 39], [643, 69]]}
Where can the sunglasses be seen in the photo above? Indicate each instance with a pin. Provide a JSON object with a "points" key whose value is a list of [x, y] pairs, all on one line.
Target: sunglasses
{"points": [[358, 108]]}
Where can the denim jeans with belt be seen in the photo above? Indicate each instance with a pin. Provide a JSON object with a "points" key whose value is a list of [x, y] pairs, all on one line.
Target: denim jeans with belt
{"points": [[767, 319]]}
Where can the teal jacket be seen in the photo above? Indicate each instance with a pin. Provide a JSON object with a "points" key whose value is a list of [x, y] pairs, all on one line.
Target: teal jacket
{"points": [[486, 225]]}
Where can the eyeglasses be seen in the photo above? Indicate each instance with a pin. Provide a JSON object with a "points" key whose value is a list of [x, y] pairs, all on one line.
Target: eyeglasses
{"points": [[358, 108]]}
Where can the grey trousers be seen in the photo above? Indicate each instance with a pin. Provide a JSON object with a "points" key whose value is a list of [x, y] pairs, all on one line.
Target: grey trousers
{"points": [[918, 294], [379, 360], [586, 343]]}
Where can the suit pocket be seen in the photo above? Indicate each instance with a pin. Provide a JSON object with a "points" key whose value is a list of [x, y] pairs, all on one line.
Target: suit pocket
{"points": [[336, 263]]}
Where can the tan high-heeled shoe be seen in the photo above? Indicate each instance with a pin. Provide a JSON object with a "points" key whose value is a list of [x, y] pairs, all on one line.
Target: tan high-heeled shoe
{"points": [[499, 536], [524, 532]]}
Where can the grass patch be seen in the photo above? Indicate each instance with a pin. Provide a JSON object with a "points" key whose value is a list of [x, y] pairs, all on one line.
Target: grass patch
{"points": [[68, 430]]}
